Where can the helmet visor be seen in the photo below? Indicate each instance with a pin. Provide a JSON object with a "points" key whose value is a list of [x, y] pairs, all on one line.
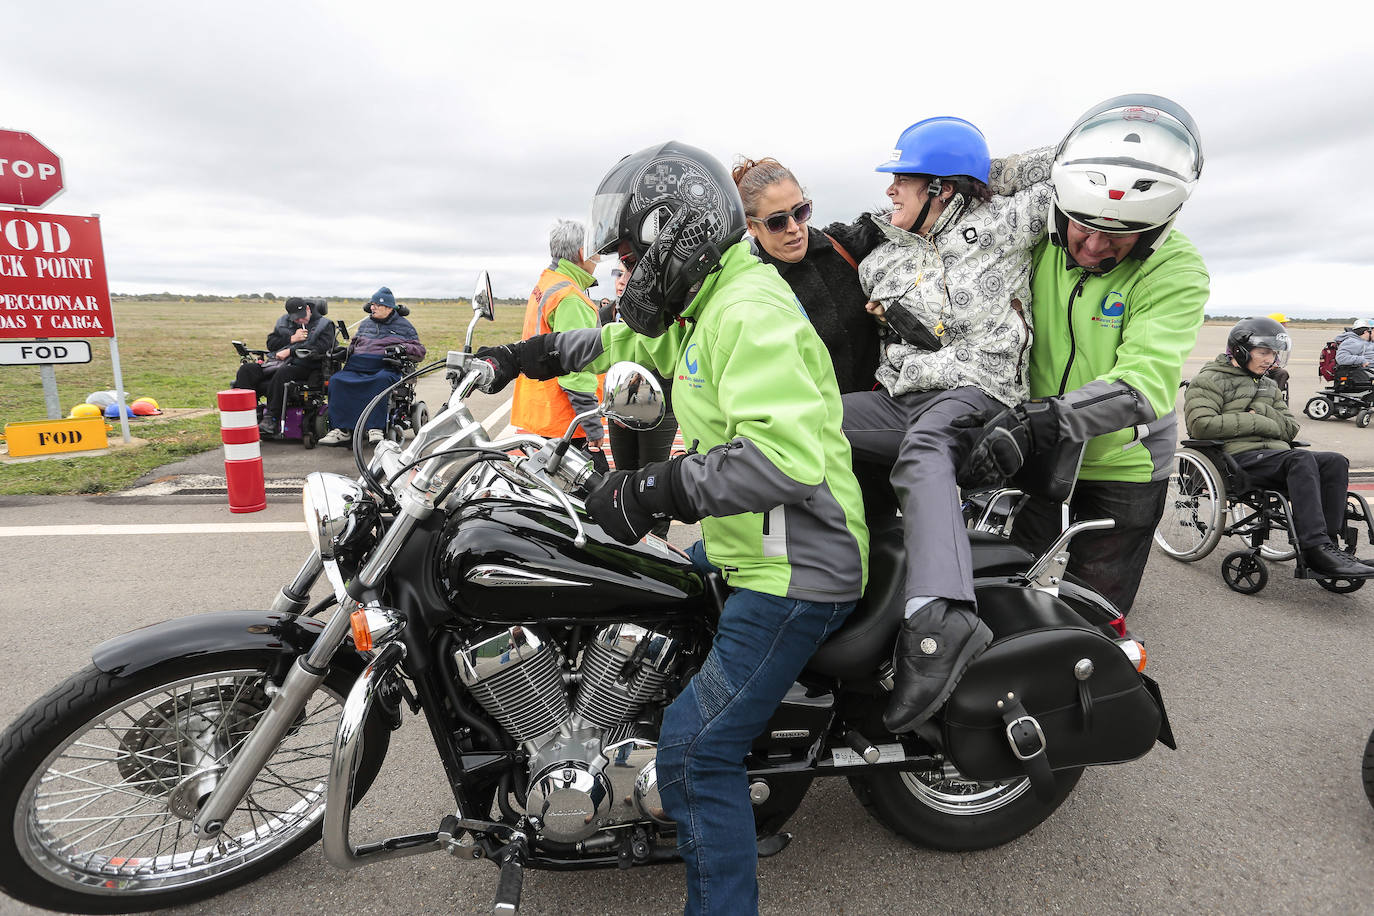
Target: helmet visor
{"points": [[603, 225], [1280, 344], [1137, 137]]}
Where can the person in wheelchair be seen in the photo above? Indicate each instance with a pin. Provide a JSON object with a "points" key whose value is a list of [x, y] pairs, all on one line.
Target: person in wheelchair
{"points": [[296, 348], [367, 371], [1355, 356], [1232, 400]]}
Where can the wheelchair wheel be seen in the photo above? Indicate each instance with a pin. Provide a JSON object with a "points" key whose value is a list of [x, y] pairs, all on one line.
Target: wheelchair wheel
{"points": [[1318, 408], [1244, 572], [1193, 508], [1277, 553], [419, 415], [1363, 419], [1341, 586]]}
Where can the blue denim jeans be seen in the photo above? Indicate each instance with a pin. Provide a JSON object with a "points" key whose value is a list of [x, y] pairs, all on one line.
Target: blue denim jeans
{"points": [[761, 645]]}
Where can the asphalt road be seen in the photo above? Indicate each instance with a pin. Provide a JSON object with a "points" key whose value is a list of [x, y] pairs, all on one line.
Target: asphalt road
{"points": [[1260, 811]]}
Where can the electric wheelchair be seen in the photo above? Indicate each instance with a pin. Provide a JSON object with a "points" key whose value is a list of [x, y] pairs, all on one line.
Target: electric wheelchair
{"points": [[404, 414], [1211, 497], [305, 415], [1350, 395]]}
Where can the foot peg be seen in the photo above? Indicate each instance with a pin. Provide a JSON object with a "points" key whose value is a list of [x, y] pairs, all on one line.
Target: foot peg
{"points": [[508, 886]]}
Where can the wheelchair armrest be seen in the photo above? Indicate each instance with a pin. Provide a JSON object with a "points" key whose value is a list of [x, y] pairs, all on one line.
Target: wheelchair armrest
{"points": [[303, 353], [1204, 443]]}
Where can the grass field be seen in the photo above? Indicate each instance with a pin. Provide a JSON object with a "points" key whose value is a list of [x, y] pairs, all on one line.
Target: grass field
{"points": [[179, 353]]}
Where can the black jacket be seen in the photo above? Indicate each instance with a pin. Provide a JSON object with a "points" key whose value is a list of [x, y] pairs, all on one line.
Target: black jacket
{"points": [[320, 340], [828, 289]]}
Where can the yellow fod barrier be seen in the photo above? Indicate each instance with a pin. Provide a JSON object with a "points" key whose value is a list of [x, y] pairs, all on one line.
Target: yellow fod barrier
{"points": [[45, 437]]}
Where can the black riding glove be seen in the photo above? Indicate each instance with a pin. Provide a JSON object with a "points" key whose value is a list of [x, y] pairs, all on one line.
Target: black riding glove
{"points": [[628, 504], [1009, 436], [535, 357]]}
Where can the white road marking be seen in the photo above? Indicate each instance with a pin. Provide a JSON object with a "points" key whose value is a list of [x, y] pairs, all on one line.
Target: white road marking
{"points": [[124, 530]]}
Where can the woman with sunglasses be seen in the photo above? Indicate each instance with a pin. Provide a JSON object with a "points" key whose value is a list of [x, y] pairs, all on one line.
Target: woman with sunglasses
{"points": [[818, 265]]}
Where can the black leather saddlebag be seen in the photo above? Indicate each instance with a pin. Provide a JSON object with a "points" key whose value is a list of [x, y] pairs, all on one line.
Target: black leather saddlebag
{"points": [[1050, 699]]}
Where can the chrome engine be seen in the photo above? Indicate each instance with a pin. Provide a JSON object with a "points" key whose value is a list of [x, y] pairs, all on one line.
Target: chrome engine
{"points": [[573, 721]]}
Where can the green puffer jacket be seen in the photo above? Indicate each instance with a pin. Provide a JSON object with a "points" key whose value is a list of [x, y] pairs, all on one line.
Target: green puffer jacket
{"points": [[1226, 402], [754, 388]]}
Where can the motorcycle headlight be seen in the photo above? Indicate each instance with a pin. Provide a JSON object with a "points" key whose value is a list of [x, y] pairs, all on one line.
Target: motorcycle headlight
{"points": [[335, 512]]}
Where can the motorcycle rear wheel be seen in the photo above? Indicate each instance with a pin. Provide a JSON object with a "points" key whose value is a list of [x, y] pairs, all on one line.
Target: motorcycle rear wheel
{"points": [[101, 776], [1367, 768], [943, 810]]}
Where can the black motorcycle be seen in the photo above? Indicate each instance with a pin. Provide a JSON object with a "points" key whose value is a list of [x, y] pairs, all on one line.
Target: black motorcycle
{"points": [[469, 587]]}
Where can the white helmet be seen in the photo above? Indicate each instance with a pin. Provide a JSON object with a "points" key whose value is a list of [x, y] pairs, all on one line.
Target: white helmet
{"points": [[1128, 165]]}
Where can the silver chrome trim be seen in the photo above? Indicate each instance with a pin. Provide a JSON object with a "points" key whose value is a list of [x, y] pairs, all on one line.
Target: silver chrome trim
{"points": [[338, 808], [513, 577]]}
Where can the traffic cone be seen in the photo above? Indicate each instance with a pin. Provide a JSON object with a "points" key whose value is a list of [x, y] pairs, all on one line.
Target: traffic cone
{"points": [[238, 423]]}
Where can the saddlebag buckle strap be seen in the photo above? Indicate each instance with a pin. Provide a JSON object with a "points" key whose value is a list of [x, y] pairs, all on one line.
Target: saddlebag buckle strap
{"points": [[1026, 738], [1027, 741]]}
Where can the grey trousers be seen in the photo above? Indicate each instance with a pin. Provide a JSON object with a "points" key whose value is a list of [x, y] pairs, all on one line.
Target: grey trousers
{"points": [[913, 433]]}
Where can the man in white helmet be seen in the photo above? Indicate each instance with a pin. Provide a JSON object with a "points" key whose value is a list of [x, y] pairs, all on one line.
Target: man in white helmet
{"points": [[1117, 301]]}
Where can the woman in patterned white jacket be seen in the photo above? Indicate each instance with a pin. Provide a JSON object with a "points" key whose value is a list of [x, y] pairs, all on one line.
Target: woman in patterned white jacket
{"points": [[951, 276]]}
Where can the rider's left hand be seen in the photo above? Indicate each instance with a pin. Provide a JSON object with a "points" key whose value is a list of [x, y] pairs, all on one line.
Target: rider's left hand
{"points": [[628, 504]]}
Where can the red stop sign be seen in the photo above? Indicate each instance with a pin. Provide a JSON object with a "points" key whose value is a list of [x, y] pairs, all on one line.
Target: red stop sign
{"points": [[30, 173]]}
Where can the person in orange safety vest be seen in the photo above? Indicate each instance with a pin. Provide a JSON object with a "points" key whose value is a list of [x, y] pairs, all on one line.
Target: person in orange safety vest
{"points": [[559, 303]]}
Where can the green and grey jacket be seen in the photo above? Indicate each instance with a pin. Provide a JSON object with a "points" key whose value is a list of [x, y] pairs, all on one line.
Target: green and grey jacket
{"points": [[753, 387], [1110, 349], [1225, 402]]}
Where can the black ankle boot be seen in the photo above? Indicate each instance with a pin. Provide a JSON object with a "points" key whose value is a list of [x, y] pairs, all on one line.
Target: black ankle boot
{"points": [[934, 647]]}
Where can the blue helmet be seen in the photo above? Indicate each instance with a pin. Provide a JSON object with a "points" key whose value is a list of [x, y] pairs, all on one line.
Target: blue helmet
{"points": [[112, 411], [941, 147]]}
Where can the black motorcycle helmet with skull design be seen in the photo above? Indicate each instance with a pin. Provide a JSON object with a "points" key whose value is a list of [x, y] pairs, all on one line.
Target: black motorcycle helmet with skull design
{"points": [[670, 211]]}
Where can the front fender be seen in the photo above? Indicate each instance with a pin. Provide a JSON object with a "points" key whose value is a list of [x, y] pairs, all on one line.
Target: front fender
{"points": [[219, 631]]}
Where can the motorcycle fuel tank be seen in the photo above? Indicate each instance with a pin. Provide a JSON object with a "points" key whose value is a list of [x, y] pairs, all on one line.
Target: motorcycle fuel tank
{"points": [[506, 561]]}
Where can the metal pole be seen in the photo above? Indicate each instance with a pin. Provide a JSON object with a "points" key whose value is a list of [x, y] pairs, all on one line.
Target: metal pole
{"points": [[119, 387], [50, 398]]}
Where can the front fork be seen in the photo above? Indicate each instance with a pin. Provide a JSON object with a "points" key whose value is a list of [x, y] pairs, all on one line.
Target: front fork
{"points": [[305, 676], [307, 673]]}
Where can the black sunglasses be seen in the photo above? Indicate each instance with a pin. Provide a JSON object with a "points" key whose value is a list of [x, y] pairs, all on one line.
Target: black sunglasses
{"points": [[777, 222]]}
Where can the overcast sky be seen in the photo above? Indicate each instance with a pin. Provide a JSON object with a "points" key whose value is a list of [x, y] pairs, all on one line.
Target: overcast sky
{"points": [[328, 148]]}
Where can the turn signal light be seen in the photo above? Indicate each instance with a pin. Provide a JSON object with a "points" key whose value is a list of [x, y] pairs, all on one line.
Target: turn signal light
{"points": [[1135, 651], [362, 630]]}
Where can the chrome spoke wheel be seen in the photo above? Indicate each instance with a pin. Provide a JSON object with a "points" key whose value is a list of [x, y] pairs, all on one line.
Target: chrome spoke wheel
{"points": [[948, 792], [109, 810]]}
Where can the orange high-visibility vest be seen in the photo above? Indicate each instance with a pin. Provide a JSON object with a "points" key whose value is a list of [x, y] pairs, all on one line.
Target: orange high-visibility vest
{"points": [[543, 407]]}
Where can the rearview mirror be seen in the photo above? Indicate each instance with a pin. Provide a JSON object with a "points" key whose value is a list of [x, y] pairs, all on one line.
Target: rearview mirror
{"points": [[631, 396], [482, 301]]}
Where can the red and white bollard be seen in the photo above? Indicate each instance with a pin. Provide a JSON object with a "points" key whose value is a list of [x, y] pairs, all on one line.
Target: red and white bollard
{"points": [[238, 422]]}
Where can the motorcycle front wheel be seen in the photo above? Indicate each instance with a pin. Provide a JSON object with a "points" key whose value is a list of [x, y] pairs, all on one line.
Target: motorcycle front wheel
{"points": [[101, 777], [940, 809]]}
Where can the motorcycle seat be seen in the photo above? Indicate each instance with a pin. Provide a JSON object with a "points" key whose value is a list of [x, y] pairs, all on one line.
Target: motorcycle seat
{"points": [[865, 639]]}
